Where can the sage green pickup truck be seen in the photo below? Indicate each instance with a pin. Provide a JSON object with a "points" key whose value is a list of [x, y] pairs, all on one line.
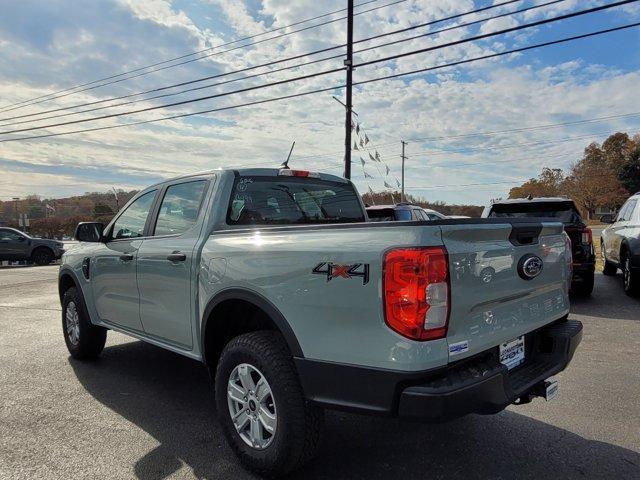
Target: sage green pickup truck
{"points": [[276, 280]]}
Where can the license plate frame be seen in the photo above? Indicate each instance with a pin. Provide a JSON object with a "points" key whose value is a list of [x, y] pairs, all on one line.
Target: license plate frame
{"points": [[512, 353]]}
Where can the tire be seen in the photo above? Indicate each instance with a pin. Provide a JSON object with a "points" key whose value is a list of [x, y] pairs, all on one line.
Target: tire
{"points": [[585, 287], [630, 278], [487, 274], [84, 340], [264, 355], [608, 268], [42, 256]]}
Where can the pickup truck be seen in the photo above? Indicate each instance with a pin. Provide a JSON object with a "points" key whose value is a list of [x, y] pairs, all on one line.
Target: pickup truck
{"points": [[274, 280]]}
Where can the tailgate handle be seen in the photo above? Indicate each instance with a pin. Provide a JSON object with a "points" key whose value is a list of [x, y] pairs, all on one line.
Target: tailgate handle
{"points": [[525, 234]]}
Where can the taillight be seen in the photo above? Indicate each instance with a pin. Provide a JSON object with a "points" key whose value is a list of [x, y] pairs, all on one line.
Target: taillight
{"points": [[587, 236], [298, 173], [416, 292]]}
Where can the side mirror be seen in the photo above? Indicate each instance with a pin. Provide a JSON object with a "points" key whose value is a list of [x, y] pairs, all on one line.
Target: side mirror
{"points": [[89, 232], [21, 238]]}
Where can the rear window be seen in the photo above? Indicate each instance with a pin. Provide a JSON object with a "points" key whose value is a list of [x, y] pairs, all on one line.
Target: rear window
{"points": [[292, 200], [564, 212], [381, 215]]}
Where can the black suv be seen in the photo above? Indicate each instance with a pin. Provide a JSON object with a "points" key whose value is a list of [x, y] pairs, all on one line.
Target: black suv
{"points": [[561, 210], [620, 245]]}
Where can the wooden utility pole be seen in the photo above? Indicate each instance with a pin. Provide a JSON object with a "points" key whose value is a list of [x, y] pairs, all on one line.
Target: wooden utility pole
{"points": [[403, 156], [348, 63]]}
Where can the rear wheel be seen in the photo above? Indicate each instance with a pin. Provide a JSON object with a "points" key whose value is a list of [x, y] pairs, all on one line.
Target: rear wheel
{"points": [[84, 340], [264, 415], [608, 268], [584, 287], [42, 256], [630, 278]]}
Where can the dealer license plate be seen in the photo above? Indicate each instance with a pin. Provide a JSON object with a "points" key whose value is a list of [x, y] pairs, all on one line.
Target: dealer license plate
{"points": [[512, 352]]}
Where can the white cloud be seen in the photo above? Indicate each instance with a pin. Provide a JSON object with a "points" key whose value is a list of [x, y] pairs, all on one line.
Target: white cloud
{"points": [[485, 96]]}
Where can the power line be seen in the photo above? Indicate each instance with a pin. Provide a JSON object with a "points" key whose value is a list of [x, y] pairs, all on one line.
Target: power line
{"points": [[274, 62], [111, 82], [335, 87], [371, 62], [491, 133], [462, 185], [498, 32]]}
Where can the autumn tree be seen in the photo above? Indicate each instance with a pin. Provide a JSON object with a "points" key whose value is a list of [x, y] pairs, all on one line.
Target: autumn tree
{"points": [[592, 183], [548, 184]]}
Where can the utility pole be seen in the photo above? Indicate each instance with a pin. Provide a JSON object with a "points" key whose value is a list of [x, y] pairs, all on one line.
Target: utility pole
{"points": [[15, 201], [348, 63], [403, 156], [115, 194]]}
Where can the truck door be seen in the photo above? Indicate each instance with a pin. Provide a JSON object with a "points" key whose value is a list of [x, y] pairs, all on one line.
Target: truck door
{"points": [[166, 264], [113, 267], [13, 245]]}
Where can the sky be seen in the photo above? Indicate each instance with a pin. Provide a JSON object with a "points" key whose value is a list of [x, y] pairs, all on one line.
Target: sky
{"points": [[474, 130]]}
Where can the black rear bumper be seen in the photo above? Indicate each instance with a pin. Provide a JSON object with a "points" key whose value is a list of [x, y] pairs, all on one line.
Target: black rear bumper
{"points": [[480, 384]]}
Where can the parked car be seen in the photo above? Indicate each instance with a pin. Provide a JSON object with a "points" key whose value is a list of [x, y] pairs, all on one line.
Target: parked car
{"points": [[562, 210], [620, 245], [16, 245], [275, 280], [402, 211]]}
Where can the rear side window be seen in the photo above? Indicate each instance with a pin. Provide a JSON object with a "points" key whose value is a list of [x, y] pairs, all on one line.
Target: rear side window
{"points": [[292, 200], [564, 212], [179, 208]]}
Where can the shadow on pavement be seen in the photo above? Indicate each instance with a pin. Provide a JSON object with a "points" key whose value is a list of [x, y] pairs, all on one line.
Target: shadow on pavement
{"points": [[170, 398], [608, 300]]}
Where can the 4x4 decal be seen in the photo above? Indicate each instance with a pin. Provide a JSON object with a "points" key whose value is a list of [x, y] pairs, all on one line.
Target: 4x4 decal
{"points": [[332, 270]]}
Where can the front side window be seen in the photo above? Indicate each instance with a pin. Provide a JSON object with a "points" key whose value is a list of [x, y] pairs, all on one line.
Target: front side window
{"points": [[9, 235], [627, 211], [179, 208], [131, 223], [292, 200]]}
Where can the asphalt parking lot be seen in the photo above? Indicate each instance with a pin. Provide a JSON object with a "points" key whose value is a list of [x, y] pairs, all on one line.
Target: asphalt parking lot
{"points": [[142, 412]]}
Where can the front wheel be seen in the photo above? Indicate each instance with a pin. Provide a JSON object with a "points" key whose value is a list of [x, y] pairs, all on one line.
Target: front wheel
{"points": [[42, 256], [260, 404], [84, 340]]}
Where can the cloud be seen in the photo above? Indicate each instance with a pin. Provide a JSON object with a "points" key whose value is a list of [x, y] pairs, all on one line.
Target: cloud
{"points": [[96, 39]]}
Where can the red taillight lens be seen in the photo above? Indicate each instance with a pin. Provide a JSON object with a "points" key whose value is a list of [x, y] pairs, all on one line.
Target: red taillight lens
{"points": [[416, 292], [587, 236]]}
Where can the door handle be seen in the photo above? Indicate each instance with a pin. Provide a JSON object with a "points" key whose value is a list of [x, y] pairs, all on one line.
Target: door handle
{"points": [[126, 257], [176, 257]]}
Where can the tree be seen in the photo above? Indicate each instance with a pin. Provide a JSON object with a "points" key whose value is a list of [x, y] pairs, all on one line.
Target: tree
{"points": [[629, 174], [548, 184], [591, 184]]}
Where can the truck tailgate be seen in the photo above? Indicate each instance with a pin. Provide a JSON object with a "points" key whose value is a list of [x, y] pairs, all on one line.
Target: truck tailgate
{"points": [[492, 299]]}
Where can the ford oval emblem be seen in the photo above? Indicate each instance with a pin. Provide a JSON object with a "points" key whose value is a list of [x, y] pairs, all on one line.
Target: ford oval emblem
{"points": [[529, 266]]}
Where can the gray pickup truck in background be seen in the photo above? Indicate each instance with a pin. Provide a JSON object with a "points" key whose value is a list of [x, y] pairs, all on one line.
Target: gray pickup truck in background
{"points": [[16, 245], [276, 280]]}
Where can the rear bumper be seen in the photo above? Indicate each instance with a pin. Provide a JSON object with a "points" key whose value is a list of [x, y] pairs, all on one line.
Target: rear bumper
{"points": [[477, 385]]}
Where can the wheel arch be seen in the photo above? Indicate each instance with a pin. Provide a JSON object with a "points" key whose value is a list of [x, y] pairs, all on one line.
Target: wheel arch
{"points": [[66, 280], [215, 332]]}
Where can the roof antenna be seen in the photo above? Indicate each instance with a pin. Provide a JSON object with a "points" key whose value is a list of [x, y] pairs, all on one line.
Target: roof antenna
{"points": [[285, 164], [529, 197]]}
